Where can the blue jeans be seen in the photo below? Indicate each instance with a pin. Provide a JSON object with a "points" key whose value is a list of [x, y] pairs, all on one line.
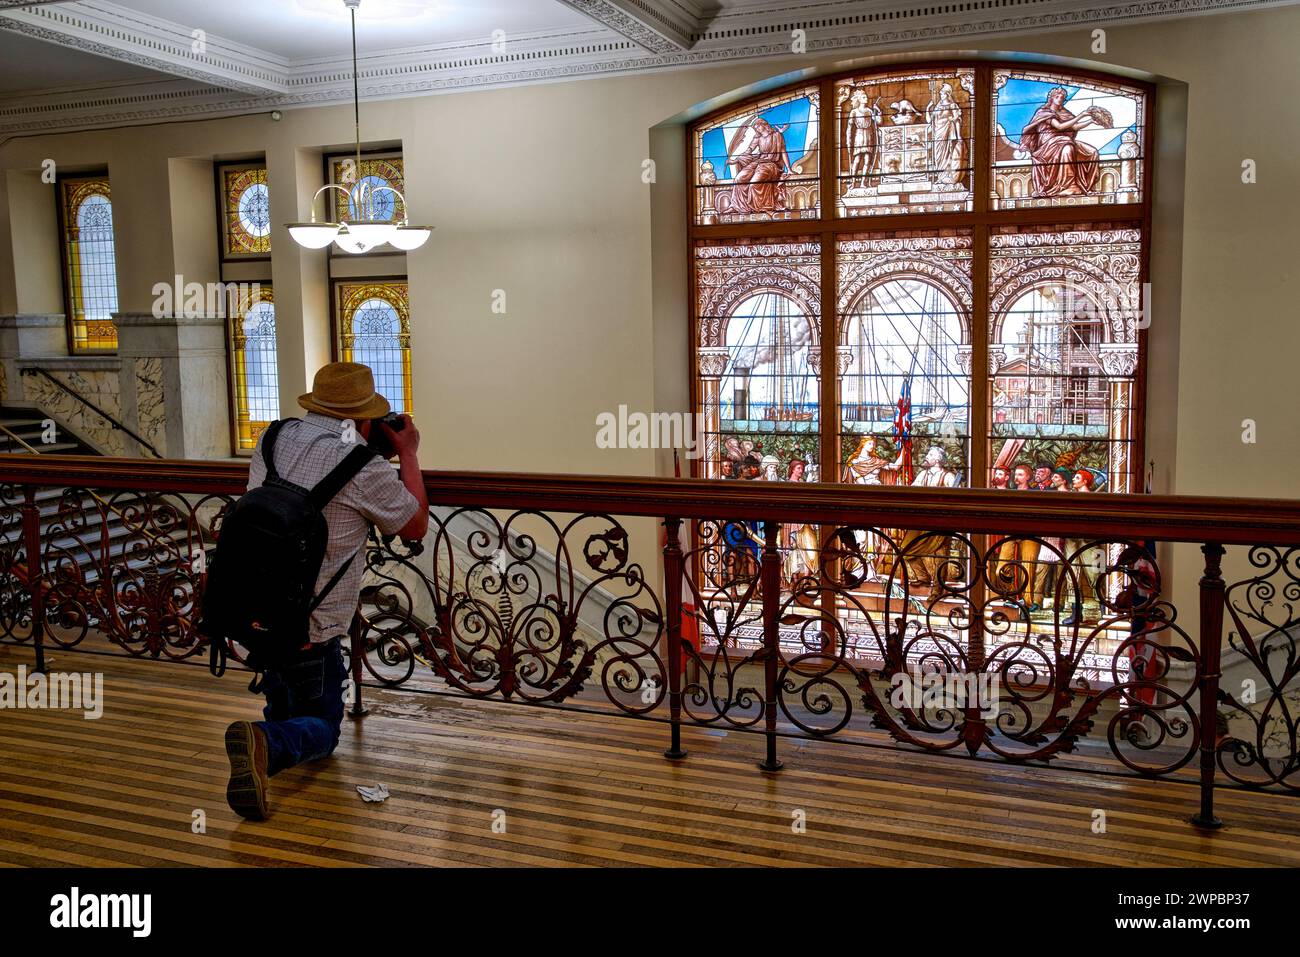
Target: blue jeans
{"points": [[304, 707]]}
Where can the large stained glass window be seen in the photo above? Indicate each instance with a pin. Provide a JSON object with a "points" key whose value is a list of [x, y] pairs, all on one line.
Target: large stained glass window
{"points": [[374, 328], [1065, 141], [957, 302], [926, 255], [89, 262], [760, 162], [246, 214], [904, 142], [255, 376], [377, 175]]}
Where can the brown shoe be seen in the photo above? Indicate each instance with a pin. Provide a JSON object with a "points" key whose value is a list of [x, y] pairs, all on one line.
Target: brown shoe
{"points": [[246, 792]]}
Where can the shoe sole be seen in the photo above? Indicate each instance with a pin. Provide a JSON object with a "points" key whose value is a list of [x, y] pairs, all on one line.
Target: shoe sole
{"points": [[246, 793]]}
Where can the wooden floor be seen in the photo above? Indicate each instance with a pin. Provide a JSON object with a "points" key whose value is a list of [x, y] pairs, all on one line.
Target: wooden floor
{"points": [[575, 790]]}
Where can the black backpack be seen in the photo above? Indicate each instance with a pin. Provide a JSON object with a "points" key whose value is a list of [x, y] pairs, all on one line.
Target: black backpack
{"points": [[268, 557]]}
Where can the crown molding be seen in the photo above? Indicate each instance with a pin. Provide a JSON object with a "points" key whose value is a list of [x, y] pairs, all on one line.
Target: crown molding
{"points": [[657, 26], [118, 33], [225, 84]]}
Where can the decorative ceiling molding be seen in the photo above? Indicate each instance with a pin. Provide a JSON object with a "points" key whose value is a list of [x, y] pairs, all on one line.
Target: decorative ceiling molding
{"points": [[659, 26], [118, 33], [225, 82]]}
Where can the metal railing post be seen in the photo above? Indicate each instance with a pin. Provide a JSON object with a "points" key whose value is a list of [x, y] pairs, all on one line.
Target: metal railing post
{"points": [[673, 609], [1212, 597], [358, 653], [771, 579], [32, 545]]}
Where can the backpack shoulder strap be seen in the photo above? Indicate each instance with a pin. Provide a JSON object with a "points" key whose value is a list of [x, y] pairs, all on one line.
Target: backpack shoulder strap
{"points": [[340, 475], [268, 447]]}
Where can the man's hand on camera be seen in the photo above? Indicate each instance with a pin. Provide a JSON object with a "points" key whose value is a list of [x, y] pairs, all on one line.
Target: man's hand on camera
{"points": [[405, 441]]}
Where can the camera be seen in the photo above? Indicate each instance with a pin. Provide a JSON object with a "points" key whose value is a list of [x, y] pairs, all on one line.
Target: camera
{"points": [[379, 440]]}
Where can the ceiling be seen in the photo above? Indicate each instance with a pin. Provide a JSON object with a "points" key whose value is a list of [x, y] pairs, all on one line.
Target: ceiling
{"points": [[69, 64], [308, 29]]}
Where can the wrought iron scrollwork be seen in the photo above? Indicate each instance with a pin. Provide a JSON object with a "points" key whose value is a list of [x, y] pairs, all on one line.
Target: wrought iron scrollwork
{"points": [[130, 567], [1260, 708], [521, 607]]}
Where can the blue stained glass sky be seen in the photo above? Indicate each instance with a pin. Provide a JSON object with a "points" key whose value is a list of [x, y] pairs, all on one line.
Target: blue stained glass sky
{"points": [[1020, 99], [795, 112]]}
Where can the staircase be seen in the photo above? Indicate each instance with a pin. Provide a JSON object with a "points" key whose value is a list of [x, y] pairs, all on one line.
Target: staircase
{"points": [[28, 425], [80, 530]]}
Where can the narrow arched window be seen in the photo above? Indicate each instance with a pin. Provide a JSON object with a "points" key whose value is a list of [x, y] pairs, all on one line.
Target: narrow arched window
{"points": [[255, 379], [373, 327], [89, 263]]}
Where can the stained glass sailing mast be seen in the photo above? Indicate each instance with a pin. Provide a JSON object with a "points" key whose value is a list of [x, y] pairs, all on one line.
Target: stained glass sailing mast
{"points": [[787, 405]]}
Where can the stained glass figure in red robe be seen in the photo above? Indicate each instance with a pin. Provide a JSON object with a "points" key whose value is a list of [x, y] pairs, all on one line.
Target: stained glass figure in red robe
{"points": [[759, 170], [1063, 166]]}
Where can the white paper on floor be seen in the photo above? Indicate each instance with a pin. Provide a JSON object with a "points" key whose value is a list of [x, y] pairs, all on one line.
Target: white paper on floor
{"points": [[377, 793]]}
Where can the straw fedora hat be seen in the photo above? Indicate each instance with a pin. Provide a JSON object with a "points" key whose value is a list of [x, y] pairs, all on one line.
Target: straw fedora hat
{"points": [[345, 390]]}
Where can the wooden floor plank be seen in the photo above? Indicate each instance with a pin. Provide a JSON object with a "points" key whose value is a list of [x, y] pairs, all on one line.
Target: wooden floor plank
{"points": [[578, 790]]}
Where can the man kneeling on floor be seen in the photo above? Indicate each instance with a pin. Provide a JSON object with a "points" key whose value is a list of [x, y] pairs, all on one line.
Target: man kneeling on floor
{"points": [[285, 580]]}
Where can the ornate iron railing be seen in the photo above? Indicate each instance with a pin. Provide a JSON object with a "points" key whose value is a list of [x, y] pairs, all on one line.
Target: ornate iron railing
{"points": [[1022, 628]]}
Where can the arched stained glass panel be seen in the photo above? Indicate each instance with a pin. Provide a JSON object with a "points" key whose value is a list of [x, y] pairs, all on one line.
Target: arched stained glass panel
{"points": [[759, 347], [254, 365], [1064, 311], [905, 347], [1060, 140], [374, 329], [760, 162], [90, 263]]}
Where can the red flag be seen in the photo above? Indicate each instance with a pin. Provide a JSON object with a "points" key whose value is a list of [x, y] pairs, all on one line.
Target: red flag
{"points": [[903, 429]]}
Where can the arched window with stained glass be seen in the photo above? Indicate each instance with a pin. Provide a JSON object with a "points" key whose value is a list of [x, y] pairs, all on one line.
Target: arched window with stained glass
{"points": [[89, 263], [926, 275], [373, 325], [919, 194], [255, 378], [246, 205]]}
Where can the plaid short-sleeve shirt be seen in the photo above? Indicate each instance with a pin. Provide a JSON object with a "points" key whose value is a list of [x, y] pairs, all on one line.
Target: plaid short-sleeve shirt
{"points": [[305, 452]]}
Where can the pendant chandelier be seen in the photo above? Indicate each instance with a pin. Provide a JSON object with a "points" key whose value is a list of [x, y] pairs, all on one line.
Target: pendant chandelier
{"points": [[362, 229]]}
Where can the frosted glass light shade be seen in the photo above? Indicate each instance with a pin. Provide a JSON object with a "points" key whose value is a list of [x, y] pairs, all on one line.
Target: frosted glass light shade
{"points": [[363, 237], [313, 235], [410, 237]]}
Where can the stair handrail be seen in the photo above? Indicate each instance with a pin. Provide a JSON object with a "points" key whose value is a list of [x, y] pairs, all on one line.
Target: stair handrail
{"points": [[90, 491], [143, 443]]}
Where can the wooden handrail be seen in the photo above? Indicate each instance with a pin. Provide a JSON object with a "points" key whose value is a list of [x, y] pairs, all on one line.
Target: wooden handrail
{"points": [[1229, 521]]}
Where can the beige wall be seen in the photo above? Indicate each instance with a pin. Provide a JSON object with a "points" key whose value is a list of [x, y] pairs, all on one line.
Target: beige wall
{"points": [[537, 191]]}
